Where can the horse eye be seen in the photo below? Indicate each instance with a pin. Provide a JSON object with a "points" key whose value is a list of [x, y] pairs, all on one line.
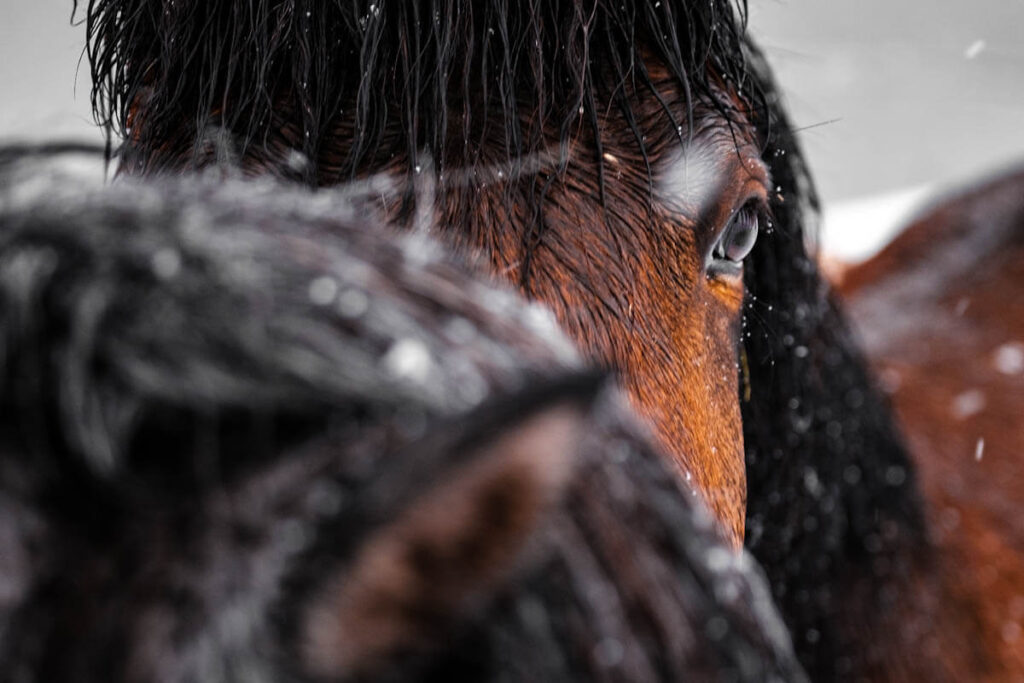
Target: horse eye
{"points": [[738, 238]]}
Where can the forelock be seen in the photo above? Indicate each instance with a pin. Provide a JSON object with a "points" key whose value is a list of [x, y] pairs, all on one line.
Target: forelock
{"points": [[399, 77]]}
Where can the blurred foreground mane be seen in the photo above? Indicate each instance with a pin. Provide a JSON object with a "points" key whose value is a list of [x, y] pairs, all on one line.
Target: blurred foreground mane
{"points": [[248, 434]]}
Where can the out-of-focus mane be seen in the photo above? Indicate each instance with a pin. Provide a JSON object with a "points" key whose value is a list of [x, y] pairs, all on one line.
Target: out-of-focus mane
{"points": [[246, 434]]}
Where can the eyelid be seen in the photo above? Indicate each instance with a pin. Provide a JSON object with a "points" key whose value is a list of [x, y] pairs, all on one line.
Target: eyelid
{"points": [[757, 199], [753, 193], [756, 186], [759, 203]]}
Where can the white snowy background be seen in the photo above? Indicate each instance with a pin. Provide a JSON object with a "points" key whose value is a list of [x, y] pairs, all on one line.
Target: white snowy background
{"points": [[898, 99]]}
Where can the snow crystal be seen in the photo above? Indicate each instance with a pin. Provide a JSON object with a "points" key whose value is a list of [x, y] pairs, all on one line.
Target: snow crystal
{"points": [[408, 359], [297, 161], [895, 475], [812, 483], [968, 403], [719, 559], [166, 263], [353, 303], [974, 49], [1009, 358], [323, 290]]}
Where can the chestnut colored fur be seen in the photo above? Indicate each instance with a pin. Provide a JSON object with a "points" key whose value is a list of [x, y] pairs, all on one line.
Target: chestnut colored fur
{"points": [[936, 308]]}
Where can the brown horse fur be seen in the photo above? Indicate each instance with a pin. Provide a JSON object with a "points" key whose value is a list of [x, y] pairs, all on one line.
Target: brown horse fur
{"points": [[247, 436], [639, 300], [941, 311], [547, 132]]}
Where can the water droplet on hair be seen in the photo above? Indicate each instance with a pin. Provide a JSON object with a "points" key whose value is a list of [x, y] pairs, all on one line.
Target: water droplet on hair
{"points": [[719, 559], [1009, 358], [297, 161], [812, 483], [166, 263], [968, 403], [353, 303], [408, 359], [895, 475], [323, 290]]}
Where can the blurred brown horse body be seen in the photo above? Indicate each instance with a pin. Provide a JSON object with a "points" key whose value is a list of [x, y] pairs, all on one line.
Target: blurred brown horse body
{"points": [[941, 311]]}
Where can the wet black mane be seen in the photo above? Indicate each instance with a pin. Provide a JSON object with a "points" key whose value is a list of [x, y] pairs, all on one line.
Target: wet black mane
{"points": [[449, 70]]}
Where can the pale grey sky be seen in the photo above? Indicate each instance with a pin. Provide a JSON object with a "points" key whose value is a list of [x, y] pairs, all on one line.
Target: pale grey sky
{"points": [[39, 51], [925, 91]]}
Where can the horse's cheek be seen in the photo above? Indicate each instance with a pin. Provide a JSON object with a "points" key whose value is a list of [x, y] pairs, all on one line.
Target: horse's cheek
{"points": [[710, 390], [686, 385]]}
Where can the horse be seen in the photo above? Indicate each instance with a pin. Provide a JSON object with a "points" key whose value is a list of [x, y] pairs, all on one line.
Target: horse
{"points": [[615, 161], [940, 313], [247, 435]]}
